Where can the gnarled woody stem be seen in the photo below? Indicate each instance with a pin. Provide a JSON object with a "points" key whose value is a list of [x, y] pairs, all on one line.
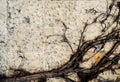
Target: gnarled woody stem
{"points": [[71, 65]]}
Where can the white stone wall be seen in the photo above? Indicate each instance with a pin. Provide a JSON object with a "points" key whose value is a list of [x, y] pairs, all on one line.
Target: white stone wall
{"points": [[31, 35]]}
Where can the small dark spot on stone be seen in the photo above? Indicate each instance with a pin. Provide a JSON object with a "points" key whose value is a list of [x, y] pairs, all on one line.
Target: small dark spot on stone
{"points": [[9, 14], [2, 42], [11, 30], [12, 27], [118, 4], [27, 20], [19, 51], [19, 10], [22, 57]]}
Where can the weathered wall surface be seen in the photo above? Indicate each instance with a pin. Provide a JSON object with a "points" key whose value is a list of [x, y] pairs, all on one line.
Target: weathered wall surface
{"points": [[3, 36], [31, 35]]}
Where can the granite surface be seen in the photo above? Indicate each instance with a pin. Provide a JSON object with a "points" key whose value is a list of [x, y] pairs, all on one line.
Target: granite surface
{"points": [[31, 33]]}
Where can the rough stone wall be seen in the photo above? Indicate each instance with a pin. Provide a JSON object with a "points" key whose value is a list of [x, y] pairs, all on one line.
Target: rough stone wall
{"points": [[31, 35]]}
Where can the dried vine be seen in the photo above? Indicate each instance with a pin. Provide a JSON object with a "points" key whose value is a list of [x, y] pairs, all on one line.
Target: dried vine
{"points": [[85, 74]]}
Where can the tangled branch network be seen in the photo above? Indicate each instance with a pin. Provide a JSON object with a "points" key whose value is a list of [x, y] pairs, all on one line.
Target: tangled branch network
{"points": [[110, 33]]}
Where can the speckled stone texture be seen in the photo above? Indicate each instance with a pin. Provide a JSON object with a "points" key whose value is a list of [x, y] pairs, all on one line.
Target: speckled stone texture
{"points": [[31, 35]]}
